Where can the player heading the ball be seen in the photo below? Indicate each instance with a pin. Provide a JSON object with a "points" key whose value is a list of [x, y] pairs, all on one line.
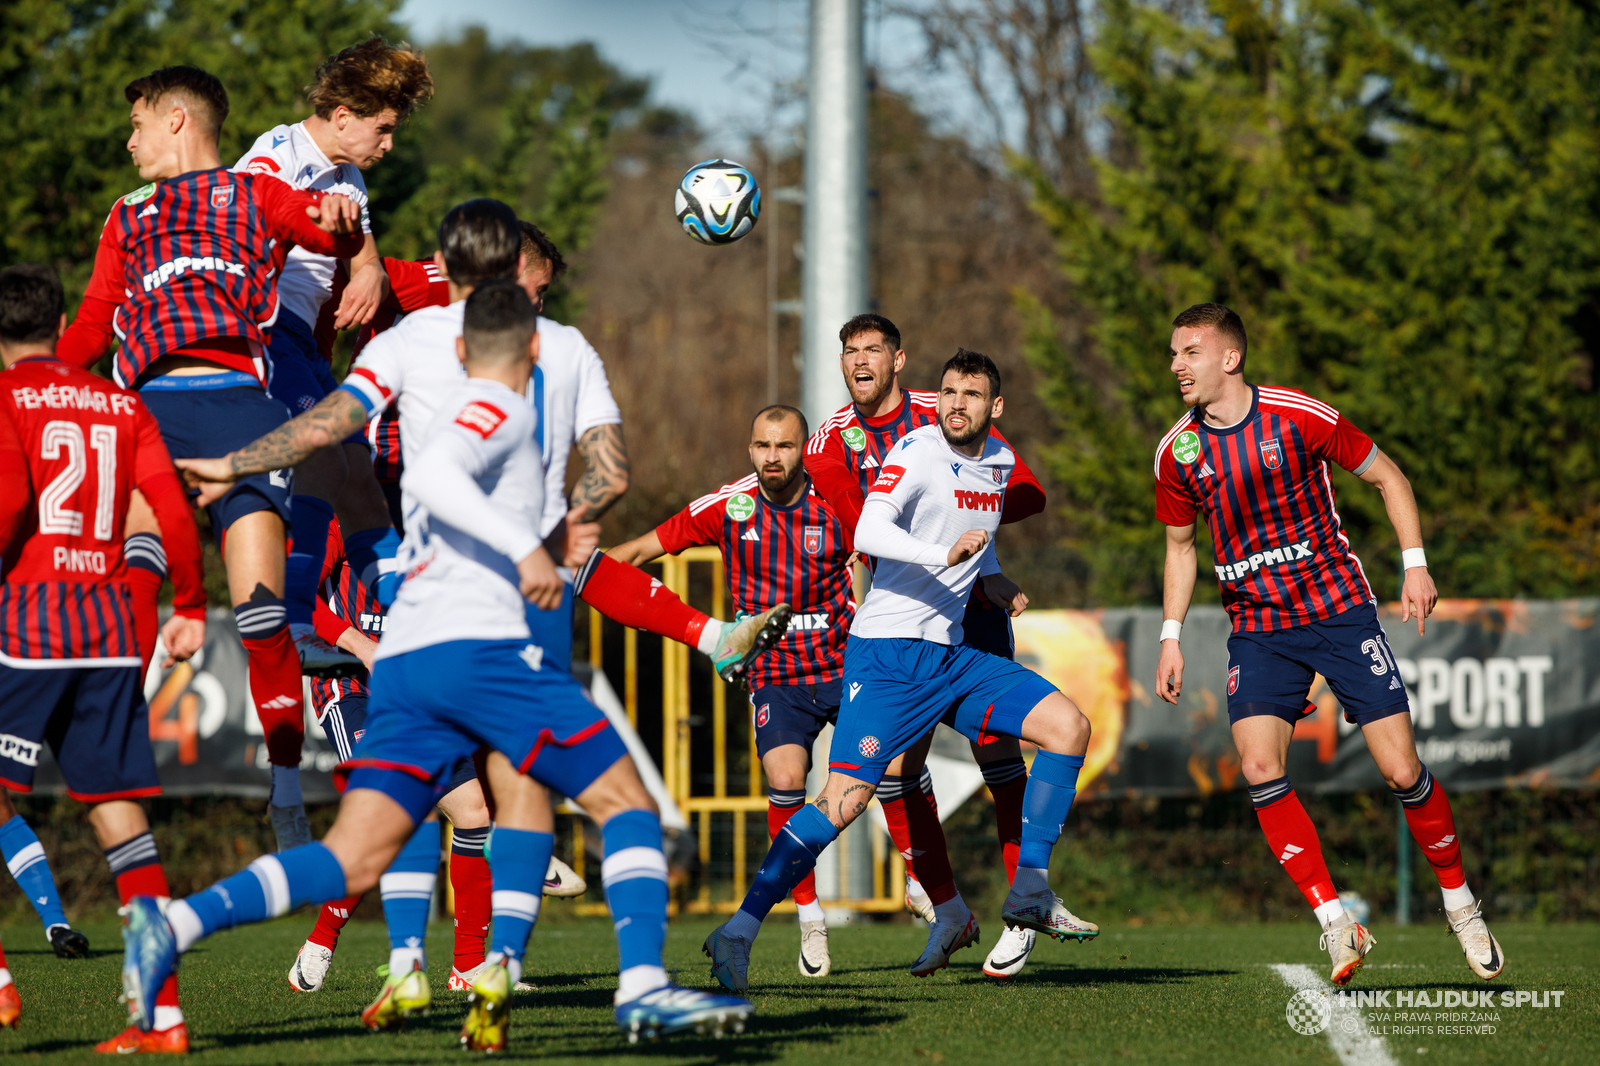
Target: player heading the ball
{"points": [[1254, 460], [929, 520]]}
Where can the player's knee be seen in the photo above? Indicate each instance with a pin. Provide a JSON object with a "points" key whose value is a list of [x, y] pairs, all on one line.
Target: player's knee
{"points": [[1400, 774], [1057, 725], [786, 777], [1260, 768]]}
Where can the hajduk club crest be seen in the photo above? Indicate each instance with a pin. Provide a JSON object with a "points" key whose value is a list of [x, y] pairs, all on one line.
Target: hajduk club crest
{"points": [[813, 540], [1271, 454]]}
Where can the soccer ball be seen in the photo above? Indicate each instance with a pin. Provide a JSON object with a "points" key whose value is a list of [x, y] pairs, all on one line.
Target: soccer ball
{"points": [[717, 202]]}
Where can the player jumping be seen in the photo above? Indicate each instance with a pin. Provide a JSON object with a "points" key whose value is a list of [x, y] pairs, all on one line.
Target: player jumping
{"points": [[929, 521], [474, 488], [70, 670], [1254, 460], [843, 458], [185, 275], [781, 543]]}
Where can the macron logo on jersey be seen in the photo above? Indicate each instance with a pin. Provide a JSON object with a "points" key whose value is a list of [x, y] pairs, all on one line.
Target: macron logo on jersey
{"points": [[482, 418], [888, 478], [1289, 553], [977, 501], [183, 264]]}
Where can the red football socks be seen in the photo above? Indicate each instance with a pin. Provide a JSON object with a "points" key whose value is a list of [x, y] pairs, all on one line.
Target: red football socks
{"points": [[137, 868], [1293, 839], [275, 690], [1434, 827], [1008, 821], [474, 893], [914, 828], [628, 595], [331, 919], [806, 890]]}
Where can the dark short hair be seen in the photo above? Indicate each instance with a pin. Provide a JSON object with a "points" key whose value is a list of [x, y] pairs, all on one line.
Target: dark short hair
{"points": [[370, 78], [971, 364], [870, 323], [31, 303], [498, 321], [200, 90], [537, 245], [481, 240], [1224, 320], [777, 412]]}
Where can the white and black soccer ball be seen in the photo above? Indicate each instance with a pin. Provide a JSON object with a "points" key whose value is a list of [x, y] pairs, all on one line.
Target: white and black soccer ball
{"points": [[717, 202]]}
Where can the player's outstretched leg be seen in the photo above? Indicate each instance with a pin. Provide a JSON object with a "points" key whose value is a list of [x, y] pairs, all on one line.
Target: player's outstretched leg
{"points": [[1032, 904], [407, 889], [628, 595], [136, 865], [26, 860], [815, 960], [311, 964], [10, 1002], [1293, 841], [895, 795]]}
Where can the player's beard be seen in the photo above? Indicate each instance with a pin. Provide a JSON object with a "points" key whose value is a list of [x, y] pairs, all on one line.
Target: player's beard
{"points": [[874, 392], [976, 429], [777, 484]]}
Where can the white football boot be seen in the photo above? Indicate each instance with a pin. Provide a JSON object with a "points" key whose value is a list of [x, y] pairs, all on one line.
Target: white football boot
{"points": [[917, 901], [814, 958], [1045, 913], [945, 938], [310, 967], [461, 980], [1477, 943], [730, 959], [1347, 942], [563, 881], [1010, 952]]}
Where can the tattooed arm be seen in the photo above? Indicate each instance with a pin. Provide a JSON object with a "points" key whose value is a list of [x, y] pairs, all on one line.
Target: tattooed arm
{"points": [[605, 473], [331, 421]]}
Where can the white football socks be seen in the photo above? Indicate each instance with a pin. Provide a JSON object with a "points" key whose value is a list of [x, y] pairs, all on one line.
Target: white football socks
{"points": [[167, 1017], [637, 981], [1329, 913], [403, 960], [1030, 881], [810, 912], [953, 909], [1456, 898]]}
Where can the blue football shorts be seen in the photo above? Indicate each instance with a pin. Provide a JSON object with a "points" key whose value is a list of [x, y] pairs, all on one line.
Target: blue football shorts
{"points": [[1271, 672], [434, 706], [552, 631], [95, 721], [300, 376], [793, 714], [210, 423], [896, 689]]}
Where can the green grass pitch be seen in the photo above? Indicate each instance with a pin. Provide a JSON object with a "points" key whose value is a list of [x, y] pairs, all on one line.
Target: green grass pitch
{"points": [[1152, 995]]}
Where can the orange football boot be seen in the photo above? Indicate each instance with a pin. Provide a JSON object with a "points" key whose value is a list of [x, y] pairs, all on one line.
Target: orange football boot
{"points": [[135, 1041], [10, 1006]]}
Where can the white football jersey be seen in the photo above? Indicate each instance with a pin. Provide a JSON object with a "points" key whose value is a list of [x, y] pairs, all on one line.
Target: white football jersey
{"points": [[931, 494], [288, 152], [474, 494], [413, 365], [572, 395]]}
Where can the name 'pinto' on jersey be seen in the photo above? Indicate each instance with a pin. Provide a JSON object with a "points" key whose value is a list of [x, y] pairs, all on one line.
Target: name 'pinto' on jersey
{"points": [[796, 555], [1281, 554]]}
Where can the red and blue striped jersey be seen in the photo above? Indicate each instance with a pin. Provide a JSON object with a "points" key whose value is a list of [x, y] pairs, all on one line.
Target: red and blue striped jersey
{"points": [[797, 555], [85, 446], [1281, 555], [344, 603], [191, 264], [383, 434], [844, 454]]}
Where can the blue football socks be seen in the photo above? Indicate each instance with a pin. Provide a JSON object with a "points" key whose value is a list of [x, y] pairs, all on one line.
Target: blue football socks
{"points": [[407, 889], [518, 861], [309, 519], [634, 875], [25, 859], [1052, 785], [367, 552], [271, 886], [793, 854]]}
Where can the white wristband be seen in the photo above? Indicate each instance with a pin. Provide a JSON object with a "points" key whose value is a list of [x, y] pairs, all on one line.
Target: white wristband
{"points": [[1412, 557], [1170, 628]]}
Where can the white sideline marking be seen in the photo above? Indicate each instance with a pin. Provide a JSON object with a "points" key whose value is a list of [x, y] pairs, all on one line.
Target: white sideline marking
{"points": [[1358, 1048]]}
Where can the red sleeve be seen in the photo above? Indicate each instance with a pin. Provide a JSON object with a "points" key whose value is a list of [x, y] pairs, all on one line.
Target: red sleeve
{"points": [[1341, 442], [688, 530], [415, 285], [1024, 495], [285, 209], [330, 626], [16, 495], [1174, 506], [153, 473], [836, 484], [90, 336]]}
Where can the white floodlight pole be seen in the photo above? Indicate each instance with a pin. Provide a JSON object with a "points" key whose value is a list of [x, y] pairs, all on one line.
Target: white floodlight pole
{"points": [[834, 273]]}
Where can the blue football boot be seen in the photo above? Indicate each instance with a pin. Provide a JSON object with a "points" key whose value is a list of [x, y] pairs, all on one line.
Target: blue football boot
{"points": [[149, 955], [671, 1009]]}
